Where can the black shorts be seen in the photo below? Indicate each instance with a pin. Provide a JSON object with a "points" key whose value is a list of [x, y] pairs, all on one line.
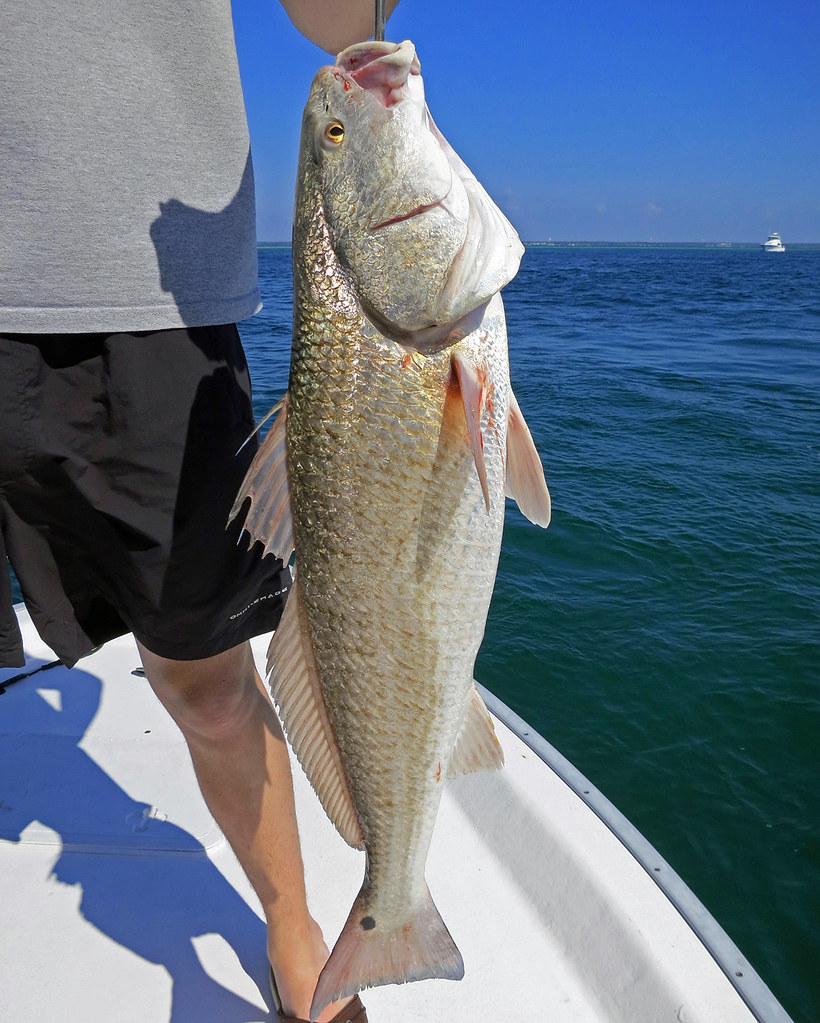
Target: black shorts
{"points": [[118, 468]]}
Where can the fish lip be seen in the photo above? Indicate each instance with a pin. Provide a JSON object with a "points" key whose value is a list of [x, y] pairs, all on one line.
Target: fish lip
{"points": [[417, 212]]}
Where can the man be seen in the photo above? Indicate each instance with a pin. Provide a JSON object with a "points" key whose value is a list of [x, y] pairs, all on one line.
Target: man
{"points": [[128, 254]]}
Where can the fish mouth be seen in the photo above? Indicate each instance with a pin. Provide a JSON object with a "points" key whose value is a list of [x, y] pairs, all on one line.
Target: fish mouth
{"points": [[380, 68]]}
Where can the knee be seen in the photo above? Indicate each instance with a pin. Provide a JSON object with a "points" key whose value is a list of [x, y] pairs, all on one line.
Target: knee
{"points": [[212, 698]]}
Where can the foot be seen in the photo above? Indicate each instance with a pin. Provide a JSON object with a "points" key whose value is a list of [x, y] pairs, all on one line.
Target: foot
{"points": [[295, 981], [350, 1011]]}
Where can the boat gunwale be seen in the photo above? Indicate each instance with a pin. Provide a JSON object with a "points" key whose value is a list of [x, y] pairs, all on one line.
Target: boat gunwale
{"points": [[748, 984]]}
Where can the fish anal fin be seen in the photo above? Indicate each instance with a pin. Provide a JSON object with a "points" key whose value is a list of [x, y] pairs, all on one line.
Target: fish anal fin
{"points": [[371, 951], [477, 747], [473, 394], [294, 682], [525, 473], [266, 484]]}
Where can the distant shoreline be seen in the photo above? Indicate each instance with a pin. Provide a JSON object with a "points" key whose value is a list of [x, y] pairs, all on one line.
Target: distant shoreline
{"points": [[662, 245], [622, 245]]}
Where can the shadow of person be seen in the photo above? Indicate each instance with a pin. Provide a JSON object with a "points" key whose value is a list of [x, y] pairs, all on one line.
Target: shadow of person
{"points": [[211, 254], [154, 905]]}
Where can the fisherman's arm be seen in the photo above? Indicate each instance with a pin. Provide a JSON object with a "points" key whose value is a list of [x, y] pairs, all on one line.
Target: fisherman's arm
{"points": [[335, 24]]}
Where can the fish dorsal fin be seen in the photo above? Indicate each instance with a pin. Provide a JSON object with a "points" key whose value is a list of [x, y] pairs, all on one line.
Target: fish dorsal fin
{"points": [[294, 682], [473, 394], [266, 484], [525, 473], [477, 747]]}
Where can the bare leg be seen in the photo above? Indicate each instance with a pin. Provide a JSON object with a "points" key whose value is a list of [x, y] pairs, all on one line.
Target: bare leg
{"points": [[242, 766]]}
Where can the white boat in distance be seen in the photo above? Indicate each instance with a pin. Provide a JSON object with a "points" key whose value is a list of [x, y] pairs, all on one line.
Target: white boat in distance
{"points": [[122, 900], [773, 243]]}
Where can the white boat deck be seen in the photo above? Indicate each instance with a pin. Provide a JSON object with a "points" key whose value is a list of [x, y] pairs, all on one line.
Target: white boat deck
{"points": [[122, 901]]}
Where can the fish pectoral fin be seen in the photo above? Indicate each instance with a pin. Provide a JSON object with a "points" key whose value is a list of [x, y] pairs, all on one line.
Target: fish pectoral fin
{"points": [[525, 473], [266, 484], [473, 394], [372, 950], [477, 747], [294, 682]]}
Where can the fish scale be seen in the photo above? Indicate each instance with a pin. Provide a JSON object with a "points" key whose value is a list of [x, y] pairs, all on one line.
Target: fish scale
{"points": [[386, 398]]}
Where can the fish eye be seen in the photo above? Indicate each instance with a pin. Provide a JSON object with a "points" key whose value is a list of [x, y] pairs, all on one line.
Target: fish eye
{"points": [[335, 132]]}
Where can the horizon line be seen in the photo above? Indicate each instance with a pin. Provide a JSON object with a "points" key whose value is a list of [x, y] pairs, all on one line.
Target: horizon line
{"points": [[553, 243]]}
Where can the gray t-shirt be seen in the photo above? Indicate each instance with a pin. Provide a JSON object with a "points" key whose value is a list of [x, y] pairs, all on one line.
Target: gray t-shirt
{"points": [[126, 185]]}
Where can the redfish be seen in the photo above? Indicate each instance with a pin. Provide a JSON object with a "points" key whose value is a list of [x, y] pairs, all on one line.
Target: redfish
{"points": [[386, 470]]}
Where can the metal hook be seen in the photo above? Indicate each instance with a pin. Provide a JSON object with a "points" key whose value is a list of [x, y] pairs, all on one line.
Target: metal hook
{"points": [[379, 33]]}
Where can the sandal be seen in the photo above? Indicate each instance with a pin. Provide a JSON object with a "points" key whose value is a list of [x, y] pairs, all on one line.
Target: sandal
{"points": [[353, 1012]]}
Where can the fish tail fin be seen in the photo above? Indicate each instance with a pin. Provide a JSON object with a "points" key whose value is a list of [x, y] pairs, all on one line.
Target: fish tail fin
{"points": [[368, 952]]}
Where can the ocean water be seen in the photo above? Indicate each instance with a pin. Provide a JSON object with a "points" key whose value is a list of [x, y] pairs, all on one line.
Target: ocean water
{"points": [[664, 632]]}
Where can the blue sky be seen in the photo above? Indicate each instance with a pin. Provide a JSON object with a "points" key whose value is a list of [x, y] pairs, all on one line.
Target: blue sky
{"points": [[632, 121]]}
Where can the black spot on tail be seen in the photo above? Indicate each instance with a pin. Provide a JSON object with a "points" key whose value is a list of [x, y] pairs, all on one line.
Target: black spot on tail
{"points": [[368, 923]]}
